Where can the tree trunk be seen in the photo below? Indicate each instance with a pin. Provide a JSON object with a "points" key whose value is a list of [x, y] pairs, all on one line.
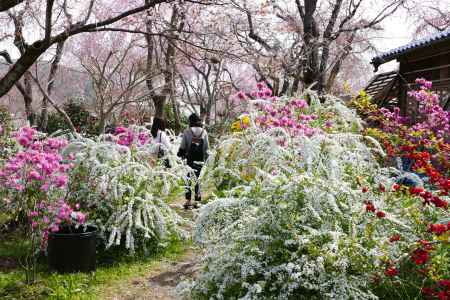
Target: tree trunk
{"points": [[310, 36], [50, 84], [28, 98], [176, 114], [323, 68], [30, 56], [159, 101], [294, 87]]}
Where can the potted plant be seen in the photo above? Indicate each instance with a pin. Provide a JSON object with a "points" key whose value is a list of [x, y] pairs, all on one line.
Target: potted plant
{"points": [[71, 243]]}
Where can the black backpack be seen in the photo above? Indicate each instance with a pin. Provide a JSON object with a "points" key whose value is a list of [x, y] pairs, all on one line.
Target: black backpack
{"points": [[195, 152]]}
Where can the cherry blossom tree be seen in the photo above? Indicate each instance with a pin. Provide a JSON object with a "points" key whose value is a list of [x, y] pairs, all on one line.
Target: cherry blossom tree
{"points": [[305, 41], [51, 29], [432, 16], [114, 62]]}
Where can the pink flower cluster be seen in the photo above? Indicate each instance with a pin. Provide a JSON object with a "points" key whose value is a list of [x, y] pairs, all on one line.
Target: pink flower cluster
{"points": [[262, 91], [291, 117], [434, 117], [53, 216], [39, 163], [126, 137], [392, 120]]}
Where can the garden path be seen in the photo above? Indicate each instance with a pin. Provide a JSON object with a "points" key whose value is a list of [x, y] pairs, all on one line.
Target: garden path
{"points": [[161, 281]]}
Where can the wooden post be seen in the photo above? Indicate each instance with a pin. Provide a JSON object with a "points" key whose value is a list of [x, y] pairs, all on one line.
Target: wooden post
{"points": [[402, 90]]}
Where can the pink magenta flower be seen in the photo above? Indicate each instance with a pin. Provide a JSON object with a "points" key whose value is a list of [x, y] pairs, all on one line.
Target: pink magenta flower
{"points": [[24, 141], [19, 187], [120, 130], [45, 187], [267, 92], [241, 95], [143, 138], [34, 175], [54, 228], [61, 180], [81, 218]]}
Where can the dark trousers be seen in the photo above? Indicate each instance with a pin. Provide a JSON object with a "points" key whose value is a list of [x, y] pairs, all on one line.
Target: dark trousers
{"points": [[197, 170]]}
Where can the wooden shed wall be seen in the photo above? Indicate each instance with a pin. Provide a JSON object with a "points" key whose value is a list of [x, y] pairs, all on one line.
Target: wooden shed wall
{"points": [[431, 63]]}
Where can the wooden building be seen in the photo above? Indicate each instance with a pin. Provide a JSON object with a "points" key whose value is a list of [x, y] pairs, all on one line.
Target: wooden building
{"points": [[427, 58]]}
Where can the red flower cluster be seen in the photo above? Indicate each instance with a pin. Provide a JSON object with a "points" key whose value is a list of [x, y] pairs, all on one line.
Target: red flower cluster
{"points": [[439, 229], [389, 148], [421, 255], [381, 214], [396, 187], [395, 238], [440, 291], [422, 163], [428, 197], [391, 271], [371, 208]]}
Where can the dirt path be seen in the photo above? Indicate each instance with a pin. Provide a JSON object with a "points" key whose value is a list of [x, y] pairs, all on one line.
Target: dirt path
{"points": [[162, 279]]}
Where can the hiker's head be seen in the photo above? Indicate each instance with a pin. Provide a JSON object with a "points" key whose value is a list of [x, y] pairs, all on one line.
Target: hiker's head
{"points": [[158, 124], [195, 121]]}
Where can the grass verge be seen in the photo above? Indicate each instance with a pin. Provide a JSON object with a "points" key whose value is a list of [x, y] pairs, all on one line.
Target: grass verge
{"points": [[112, 268]]}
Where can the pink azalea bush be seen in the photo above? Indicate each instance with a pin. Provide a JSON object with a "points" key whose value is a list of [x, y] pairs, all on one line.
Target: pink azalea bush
{"points": [[31, 181], [126, 136], [52, 217], [292, 115], [38, 166]]}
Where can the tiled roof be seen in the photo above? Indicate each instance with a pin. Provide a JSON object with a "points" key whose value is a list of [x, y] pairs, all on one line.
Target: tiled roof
{"points": [[394, 53]]}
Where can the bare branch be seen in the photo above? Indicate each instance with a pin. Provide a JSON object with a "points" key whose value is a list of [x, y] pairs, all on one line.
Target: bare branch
{"points": [[48, 20], [53, 103], [7, 4]]}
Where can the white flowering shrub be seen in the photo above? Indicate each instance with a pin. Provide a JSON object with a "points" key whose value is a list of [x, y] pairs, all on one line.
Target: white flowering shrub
{"points": [[290, 220], [125, 188]]}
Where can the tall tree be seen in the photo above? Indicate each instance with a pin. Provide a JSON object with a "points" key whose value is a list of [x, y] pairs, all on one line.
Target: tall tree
{"points": [[302, 41], [432, 16], [113, 62], [54, 31]]}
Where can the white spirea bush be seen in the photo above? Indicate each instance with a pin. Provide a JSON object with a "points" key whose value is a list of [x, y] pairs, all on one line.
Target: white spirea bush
{"points": [[289, 222], [125, 189]]}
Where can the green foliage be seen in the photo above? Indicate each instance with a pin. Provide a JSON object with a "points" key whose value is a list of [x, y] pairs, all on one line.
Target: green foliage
{"points": [[170, 117], [7, 144], [363, 105], [113, 266], [78, 114]]}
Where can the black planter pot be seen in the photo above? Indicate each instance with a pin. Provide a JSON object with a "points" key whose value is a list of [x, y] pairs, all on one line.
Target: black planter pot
{"points": [[72, 249]]}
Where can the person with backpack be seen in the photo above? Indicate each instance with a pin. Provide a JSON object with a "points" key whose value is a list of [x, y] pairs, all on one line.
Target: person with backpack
{"points": [[160, 138], [194, 148]]}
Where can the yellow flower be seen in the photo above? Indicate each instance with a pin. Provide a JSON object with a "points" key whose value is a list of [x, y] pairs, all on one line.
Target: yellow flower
{"points": [[240, 124], [246, 120], [236, 126]]}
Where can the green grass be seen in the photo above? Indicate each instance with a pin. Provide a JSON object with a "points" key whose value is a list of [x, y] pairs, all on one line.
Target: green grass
{"points": [[113, 266]]}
